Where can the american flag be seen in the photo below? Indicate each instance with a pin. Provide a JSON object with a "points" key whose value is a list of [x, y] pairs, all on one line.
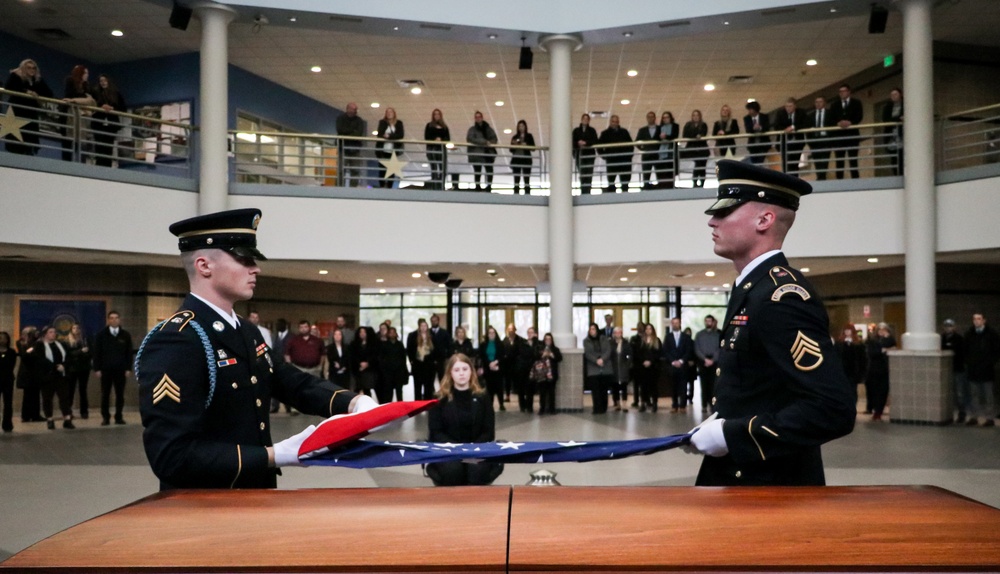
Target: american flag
{"points": [[382, 453]]}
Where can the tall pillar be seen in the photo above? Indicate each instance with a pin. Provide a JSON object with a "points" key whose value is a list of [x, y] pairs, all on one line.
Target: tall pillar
{"points": [[213, 180], [918, 181], [920, 375]]}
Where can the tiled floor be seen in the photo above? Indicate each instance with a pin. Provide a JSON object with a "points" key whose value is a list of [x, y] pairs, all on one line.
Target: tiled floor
{"points": [[50, 480]]}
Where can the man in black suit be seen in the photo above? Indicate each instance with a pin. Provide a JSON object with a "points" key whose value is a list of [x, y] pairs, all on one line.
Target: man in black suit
{"points": [[648, 141], [442, 344], [819, 144], [781, 391], [678, 349], [754, 124], [847, 112], [618, 159], [584, 138], [112, 361], [609, 326], [790, 120]]}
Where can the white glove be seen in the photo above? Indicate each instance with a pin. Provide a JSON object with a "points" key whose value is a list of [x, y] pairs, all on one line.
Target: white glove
{"points": [[709, 440], [286, 452], [363, 403]]}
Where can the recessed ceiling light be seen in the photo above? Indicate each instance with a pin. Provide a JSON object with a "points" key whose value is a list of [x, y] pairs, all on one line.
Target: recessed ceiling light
{"points": [[323, 272], [416, 275], [441, 285], [633, 270], [381, 290], [726, 285], [448, 145], [811, 62], [805, 270], [709, 87], [873, 259], [751, 100], [376, 104], [414, 290], [293, 19], [415, 90], [491, 75], [498, 103], [380, 280], [491, 271], [117, 33], [627, 34], [633, 73], [395, 28], [623, 278], [710, 274], [507, 131], [501, 280], [725, 23], [374, 132], [832, 10], [626, 102], [492, 36], [315, 69], [715, 288]]}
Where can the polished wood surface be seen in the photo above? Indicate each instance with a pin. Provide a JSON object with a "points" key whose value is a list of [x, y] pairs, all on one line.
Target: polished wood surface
{"points": [[757, 529], [328, 530]]}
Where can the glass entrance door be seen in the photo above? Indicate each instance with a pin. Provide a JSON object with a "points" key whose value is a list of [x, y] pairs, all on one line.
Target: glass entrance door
{"points": [[625, 316], [500, 316]]}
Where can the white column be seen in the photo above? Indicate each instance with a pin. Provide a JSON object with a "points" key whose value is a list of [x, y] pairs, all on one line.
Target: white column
{"points": [[919, 201], [561, 227], [213, 181]]}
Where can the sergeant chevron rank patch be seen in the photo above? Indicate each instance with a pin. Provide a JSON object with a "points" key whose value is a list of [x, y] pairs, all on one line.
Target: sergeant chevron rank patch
{"points": [[166, 389], [806, 354], [790, 288]]}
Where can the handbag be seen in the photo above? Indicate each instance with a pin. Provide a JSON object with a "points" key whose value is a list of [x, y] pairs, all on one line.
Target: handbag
{"points": [[540, 371]]}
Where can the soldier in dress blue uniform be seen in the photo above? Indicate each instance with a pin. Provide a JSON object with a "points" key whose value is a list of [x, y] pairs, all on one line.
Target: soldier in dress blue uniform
{"points": [[780, 391], [206, 376]]}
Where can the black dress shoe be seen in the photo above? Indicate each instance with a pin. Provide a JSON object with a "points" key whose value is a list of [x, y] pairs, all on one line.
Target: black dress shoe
{"points": [[84, 416], [105, 422], [68, 424], [119, 421], [51, 424]]}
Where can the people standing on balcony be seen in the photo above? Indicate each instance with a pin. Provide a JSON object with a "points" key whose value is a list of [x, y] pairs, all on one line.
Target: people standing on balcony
{"points": [[893, 112], [726, 125], [819, 141], [597, 368], [26, 79], [76, 91], [669, 131], [696, 148], [490, 354], [482, 154], [520, 160], [618, 159], [436, 130], [390, 131], [848, 112], [791, 119], [78, 367], [584, 139], [647, 140], [757, 123], [420, 350], [350, 126], [105, 122]]}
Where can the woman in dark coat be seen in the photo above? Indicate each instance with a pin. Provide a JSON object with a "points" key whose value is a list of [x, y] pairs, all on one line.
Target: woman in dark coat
{"points": [[392, 366], [669, 131], [696, 148], [520, 158], [893, 112], [436, 131], [364, 360], [463, 414], [621, 367], [8, 356], [390, 131], [461, 344], [549, 352], [31, 403], [853, 357], [725, 126], [26, 79], [877, 383], [106, 122], [420, 351], [646, 358], [76, 91], [78, 367], [338, 360], [490, 354]]}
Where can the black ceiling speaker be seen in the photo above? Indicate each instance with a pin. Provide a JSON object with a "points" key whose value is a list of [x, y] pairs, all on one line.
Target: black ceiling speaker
{"points": [[453, 283], [438, 276], [180, 16], [877, 20], [524, 63]]}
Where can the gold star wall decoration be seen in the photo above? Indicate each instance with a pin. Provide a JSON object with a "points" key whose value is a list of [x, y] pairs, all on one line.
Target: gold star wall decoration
{"points": [[11, 124], [393, 166]]}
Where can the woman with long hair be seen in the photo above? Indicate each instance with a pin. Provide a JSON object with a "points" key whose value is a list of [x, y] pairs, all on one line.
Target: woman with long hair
{"points": [[893, 112], [78, 367], [106, 122], [31, 403], [338, 360], [726, 125], [50, 370], [696, 148], [669, 131], [390, 131], [877, 383], [597, 363], [490, 352], [550, 353], [436, 130], [463, 414], [25, 79], [520, 158], [392, 366], [77, 91], [420, 349], [647, 368], [364, 360]]}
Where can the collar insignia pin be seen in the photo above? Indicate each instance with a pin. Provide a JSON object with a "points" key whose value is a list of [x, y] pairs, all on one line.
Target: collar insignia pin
{"points": [[218, 326]]}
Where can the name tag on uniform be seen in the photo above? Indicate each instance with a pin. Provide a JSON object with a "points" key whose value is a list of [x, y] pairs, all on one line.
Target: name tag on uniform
{"points": [[226, 362]]}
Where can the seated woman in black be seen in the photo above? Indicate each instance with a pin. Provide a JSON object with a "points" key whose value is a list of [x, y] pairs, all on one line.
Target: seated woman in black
{"points": [[463, 414]]}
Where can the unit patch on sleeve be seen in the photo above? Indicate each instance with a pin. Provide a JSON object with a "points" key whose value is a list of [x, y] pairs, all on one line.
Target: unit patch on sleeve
{"points": [[790, 288]]}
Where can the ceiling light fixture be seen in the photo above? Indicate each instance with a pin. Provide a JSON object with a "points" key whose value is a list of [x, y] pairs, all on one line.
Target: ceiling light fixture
{"points": [[726, 285], [442, 285], [323, 272], [498, 103], [117, 33], [811, 62], [710, 274], [381, 290], [709, 87], [725, 23], [374, 132], [415, 90], [507, 130], [805, 270], [416, 275], [492, 36], [491, 271], [501, 279], [751, 100], [395, 28], [627, 34], [632, 73], [380, 280], [315, 69], [623, 279], [833, 10], [873, 259], [449, 145], [376, 104], [491, 75], [293, 19], [633, 270], [626, 102]]}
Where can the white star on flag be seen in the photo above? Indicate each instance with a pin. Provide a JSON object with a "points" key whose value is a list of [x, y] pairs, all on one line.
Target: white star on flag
{"points": [[541, 459], [447, 444], [402, 452], [408, 445], [508, 444], [571, 443]]}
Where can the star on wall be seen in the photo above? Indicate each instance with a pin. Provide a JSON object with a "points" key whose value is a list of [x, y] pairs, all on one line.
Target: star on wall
{"points": [[11, 124], [393, 166]]}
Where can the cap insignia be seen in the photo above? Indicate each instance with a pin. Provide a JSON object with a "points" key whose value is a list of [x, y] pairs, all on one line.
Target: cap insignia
{"points": [[209, 241], [256, 221]]}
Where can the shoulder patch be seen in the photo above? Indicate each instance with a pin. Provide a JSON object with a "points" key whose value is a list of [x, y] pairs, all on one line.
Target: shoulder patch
{"points": [[781, 275], [178, 321], [790, 288]]}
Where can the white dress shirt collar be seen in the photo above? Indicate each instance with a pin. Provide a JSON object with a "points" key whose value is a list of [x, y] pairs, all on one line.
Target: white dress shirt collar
{"points": [[753, 265], [229, 317]]}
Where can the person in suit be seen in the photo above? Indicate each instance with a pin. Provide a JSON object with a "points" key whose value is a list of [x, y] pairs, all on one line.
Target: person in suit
{"points": [[31, 402], [338, 361], [819, 138], [669, 131], [647, 139], [893, 112], [678, 349], [390, 131], [106, 122], [597, 368], [726, 125], [392, 363], [791, 120], [696, 147], [442, 345], [757, 123], [206, 375], [49, 359], [351, 128], [78, 367], [420, 351], [847, 112], [853, 357], [781, 391], [618, 159], [112, 362], [609, 326], [280, 340], [621, 369], [482, 151], [512, 364], [584, 139]]}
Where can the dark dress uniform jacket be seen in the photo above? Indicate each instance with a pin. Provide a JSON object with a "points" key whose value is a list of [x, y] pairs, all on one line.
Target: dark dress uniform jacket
{"points": [[199, 438], [780, 387]]}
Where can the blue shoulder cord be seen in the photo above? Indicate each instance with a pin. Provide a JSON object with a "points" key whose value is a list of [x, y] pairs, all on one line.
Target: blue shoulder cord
{"points": [[209, 357]]}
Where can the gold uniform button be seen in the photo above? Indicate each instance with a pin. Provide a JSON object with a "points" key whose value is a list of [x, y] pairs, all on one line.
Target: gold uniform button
{"points": [[235, 386], [732, 345], [258, 402], [718, 371], [253, 379], [261, 426], [722, 343], [272, 370], [713, 401], [739, 474]]}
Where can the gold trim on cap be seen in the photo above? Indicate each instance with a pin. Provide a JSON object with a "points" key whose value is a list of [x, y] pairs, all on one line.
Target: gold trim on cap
{"points": [[214, 231], [760, 184]]}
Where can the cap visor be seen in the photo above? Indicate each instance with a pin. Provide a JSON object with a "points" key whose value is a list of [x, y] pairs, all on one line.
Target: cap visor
{"points": [[723, 204], [244, 251]]}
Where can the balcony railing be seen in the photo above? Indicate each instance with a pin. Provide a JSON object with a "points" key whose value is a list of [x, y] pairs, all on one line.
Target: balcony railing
{"points": [[969, 139]]}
